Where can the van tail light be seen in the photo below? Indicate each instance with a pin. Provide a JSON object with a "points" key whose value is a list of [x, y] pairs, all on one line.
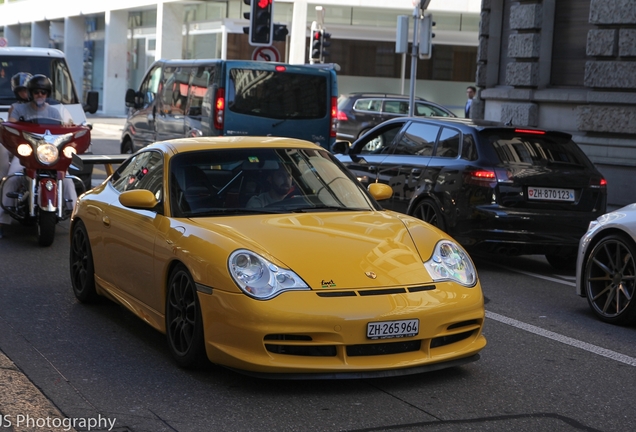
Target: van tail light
{"points": [[342, 116], [219, 109], [334, 116]]}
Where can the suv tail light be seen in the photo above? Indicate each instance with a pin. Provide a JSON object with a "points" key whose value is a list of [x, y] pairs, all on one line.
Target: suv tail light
{"points": [[219, 109], [598, 183], [342, 116]]}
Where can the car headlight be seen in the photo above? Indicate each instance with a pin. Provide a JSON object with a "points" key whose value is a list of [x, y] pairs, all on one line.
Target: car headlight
{"points": [[261, 279], [451, 262], [47, 154]]}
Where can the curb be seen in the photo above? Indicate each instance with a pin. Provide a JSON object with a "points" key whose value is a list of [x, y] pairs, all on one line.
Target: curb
{"points": [[23, 407]]}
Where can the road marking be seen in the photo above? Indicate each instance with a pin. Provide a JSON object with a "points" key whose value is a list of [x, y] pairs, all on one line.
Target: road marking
{"points": [[563, 339]]}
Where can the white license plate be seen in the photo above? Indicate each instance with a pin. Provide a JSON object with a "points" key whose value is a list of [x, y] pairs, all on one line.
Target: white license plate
{"points": [[393, 329], [550, 194]]}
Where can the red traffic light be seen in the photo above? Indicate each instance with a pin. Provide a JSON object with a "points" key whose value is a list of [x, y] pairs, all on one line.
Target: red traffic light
{"points": [[263, 4]]}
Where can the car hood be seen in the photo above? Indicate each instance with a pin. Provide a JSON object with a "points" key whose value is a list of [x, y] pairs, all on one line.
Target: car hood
{"points": [[335, 250]]}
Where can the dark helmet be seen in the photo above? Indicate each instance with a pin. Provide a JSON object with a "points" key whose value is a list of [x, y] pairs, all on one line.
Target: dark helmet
{"points": [[19, 82], [41, 82]]}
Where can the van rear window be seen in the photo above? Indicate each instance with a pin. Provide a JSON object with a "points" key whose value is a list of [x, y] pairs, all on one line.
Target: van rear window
{"points": [[279, 95]]}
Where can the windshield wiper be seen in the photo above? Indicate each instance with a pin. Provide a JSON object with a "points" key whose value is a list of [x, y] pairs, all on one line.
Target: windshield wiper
{"points": [[228, 211], [287, 117], [326, 207]]}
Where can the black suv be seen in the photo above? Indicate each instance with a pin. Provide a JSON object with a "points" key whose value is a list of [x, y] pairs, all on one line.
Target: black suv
{"points": [[492, 187], [359, 112]]}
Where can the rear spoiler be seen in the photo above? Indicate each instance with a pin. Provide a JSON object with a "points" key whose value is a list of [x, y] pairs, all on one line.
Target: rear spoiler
{"points": [[107, 160]]}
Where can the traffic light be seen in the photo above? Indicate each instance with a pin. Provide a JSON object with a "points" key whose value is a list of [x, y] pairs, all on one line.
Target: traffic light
{"points": [[326, 43], [261, 29], [280, 32], [316, 46], [426, 37]]}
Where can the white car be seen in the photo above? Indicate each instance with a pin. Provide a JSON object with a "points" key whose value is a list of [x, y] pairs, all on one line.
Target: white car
{"points": [[606, 266]]}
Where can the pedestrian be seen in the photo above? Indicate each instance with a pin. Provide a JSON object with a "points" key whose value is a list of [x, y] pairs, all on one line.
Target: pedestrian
{"points": [[470, 93]]}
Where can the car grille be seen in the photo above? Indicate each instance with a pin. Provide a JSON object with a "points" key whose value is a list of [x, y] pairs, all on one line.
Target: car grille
{"points": [[302, 345]]}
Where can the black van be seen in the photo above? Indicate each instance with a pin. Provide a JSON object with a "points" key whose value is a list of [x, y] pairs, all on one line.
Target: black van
{"points": [[183, 98]]}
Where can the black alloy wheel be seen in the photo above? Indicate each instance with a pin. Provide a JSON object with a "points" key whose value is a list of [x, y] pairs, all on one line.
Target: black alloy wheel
{"points": [[184, 323], [81, 265], [429, 212], [609, 280]]}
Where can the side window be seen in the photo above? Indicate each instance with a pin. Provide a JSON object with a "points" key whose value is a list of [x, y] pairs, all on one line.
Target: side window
{"points": [[143, 171], [396, 107], [448, 145], [150, 86], [419, 140], [201, 79], [469, 149], [62, 83], [380, 141], [174, 90], [368, 105]]}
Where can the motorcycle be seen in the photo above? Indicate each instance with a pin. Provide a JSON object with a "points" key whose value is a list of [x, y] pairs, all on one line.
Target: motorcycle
{"points": [[46, 149]]}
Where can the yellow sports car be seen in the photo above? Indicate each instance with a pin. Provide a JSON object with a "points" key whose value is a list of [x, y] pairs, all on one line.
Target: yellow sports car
{"points": [[266, 256]]}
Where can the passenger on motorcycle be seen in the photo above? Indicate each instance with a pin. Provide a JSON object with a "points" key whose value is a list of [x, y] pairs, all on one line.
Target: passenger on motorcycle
{"points": [[39, 89]]}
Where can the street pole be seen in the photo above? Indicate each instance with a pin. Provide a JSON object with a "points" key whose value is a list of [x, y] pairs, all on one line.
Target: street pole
{"points": [[414, 56]]}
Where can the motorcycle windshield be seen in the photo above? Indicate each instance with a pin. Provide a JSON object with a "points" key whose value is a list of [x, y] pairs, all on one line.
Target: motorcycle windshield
{"points": [[51, 113]]}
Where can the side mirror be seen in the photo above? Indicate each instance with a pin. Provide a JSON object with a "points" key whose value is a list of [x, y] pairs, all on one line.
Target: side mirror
{"points": [[340, 147], [131, 98], [379, 191], [138, 199], [92, 102]]}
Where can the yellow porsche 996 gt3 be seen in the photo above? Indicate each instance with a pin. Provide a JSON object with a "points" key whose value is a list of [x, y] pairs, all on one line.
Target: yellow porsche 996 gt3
{"points": [[265, 255]]}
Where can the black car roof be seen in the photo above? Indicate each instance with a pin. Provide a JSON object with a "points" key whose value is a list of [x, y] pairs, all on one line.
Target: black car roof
{"points": [[477, 124]]}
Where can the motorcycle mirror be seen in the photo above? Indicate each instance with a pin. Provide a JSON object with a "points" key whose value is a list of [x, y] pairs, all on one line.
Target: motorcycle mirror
{"points": [[77, 163]]}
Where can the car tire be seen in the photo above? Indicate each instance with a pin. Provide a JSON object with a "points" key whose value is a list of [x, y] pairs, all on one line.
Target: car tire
{"points": [[46, 227], [127, 146], [428, 211], [609, 280], [184, 322], [81, 265], [562, 262]]}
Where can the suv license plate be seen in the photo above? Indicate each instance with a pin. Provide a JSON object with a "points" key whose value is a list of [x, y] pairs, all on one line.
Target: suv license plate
{"points": [[393, 329], [550, 194]]}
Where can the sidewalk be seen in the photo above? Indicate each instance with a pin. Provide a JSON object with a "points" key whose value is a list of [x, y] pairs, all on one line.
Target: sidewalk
{"points": [[23, 408]]}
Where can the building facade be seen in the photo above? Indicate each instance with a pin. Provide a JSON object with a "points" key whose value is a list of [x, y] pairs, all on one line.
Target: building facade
{"points": [[567, 65], [110, 45]]}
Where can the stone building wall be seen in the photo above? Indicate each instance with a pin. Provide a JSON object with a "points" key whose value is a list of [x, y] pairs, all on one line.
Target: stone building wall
{"points": [[514, 73]]}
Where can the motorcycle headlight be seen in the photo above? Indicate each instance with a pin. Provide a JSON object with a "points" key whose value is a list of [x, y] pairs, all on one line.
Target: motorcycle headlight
{"points": [[25, 150], [261, 279], [451, 262], [47, 154], [69, 152]]}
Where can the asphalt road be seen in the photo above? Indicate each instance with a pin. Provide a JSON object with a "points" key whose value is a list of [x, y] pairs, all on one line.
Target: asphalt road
{"points": [[549, 365]]}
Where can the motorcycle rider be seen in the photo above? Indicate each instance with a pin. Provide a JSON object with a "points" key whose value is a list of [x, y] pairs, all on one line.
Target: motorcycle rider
{"points": [[39, 89], [19, 87]]}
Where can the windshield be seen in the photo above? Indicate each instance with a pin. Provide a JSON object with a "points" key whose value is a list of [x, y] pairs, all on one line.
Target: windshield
{"points": [[248, 181], [54, 68], [51, 113], [278, 95]]}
